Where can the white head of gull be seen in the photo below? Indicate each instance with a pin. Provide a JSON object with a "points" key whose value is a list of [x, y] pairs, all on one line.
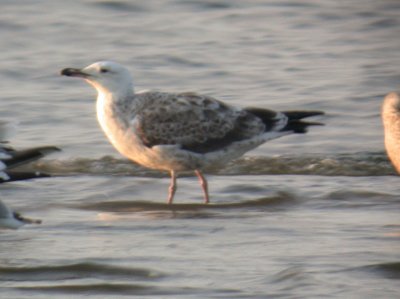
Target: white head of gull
{"points": [[180, 131]]}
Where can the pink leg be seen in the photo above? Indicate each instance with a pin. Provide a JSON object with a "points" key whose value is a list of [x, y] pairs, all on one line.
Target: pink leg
{"points": [[204, 185], [172, 187]]}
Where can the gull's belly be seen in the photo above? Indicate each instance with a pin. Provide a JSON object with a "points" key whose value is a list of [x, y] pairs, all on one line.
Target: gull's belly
{"points": [[172, 157], [162, 157]]}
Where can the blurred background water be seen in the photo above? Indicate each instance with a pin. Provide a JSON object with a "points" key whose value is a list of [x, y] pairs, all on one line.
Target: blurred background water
{"points": [[305, 216]]}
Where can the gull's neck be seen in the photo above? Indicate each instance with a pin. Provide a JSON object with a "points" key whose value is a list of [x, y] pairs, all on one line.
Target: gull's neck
{"points": [[114, 104], [113, 111], [115, 94]]}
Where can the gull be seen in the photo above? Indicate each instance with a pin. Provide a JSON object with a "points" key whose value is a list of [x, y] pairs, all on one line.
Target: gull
{"points": [[178, 132], [13, 220], [391, 124], [11, 158]]}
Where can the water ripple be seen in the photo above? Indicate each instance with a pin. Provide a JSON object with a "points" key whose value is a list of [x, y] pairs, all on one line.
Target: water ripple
{"points": [[389, 270], [106, 288], [74, 271], [139, 206], [100, 289]]}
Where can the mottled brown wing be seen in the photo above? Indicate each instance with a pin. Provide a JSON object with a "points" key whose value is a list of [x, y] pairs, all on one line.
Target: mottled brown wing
{"points": [[195, 122]]}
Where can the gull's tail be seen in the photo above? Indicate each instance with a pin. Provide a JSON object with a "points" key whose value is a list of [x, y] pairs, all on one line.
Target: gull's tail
{"points": [[286, 120]]}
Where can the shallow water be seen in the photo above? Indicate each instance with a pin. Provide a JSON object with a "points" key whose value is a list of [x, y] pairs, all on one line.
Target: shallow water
{"points": [[305, 216]]}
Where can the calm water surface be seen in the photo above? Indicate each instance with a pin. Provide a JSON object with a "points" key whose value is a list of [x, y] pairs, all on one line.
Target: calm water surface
{"points": [[306, 216]]}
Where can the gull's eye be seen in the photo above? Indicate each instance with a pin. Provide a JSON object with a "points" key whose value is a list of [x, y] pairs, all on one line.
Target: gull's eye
{"points": [[103, 70]]}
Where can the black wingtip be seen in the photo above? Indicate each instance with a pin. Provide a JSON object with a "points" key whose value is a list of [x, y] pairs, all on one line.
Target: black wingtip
{"points": [[12, 176], [20, 157], [299, 114], [301, 127], [296, 122]]}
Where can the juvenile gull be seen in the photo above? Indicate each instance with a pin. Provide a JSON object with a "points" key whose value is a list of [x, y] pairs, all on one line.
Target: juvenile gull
{"points": [[179, 131], [12, 219], [391, 124]]}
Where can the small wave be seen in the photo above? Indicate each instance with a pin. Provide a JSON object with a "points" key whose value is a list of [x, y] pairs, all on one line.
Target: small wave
{"points": [[73, 271], [293, 278], [383, 24], [106, 165], [126, 289], [357, 164], [207, 5], [96, 288], [386, 270], [119, 6], [361, 198]]}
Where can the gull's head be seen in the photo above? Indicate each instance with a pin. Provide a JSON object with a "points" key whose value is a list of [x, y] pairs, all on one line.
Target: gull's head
{"points": [[105, 76]]}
